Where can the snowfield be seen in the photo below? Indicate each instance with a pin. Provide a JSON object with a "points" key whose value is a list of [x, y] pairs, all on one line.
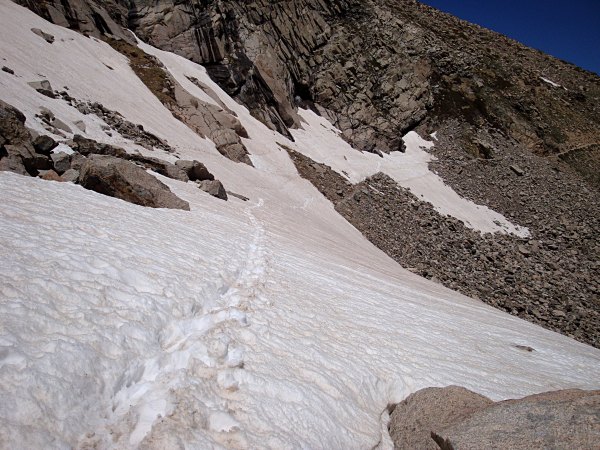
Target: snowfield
{"points": [[271, 323]]}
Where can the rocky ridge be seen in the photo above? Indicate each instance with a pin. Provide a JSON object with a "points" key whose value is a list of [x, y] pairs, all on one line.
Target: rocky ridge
{"points": [[377, 69]]}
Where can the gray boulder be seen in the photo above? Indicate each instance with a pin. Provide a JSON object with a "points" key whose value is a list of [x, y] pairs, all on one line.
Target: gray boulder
{"points": [[17, 154], [214, 188], [124, 180], [413, 420], [71, 176], [61, 162], [45, 36], [9, 162], [195, 170], [159, 166], [60, 125], [559, 420], [43, 87]]}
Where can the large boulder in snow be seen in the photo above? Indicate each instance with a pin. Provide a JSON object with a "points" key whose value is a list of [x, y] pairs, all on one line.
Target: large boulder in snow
{"points": [[195, 170], [414, 419], [214, 188], [456, 418], [88, 147], [562, 419], [159, 166], [122, 179], [17, 154]]}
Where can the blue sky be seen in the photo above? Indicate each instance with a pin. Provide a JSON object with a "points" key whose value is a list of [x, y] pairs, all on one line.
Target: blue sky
{"points": [[567, 29]]}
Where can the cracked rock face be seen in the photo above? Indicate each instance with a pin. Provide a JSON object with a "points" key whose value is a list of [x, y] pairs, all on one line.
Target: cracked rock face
{"points": [[90, 17], [375, 68]]}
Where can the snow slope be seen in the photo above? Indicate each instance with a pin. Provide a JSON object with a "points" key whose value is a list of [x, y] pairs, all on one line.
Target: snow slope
{"points": [[264, 324], [321, 141]]}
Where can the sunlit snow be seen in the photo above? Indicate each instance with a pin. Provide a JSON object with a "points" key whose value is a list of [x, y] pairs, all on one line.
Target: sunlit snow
{"points": [[550, 82], [271, 323]]}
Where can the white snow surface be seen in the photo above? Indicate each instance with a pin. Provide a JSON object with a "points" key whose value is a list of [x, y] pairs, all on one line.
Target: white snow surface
{"points": [[271, 323], [89, 70], [550, 82], [321, 142]]}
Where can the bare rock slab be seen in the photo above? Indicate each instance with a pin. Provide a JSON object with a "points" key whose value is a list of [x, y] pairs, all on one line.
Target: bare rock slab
{"points": [[558, 420], [214, 188], [455, 418], [413, 420], [124, 180]]}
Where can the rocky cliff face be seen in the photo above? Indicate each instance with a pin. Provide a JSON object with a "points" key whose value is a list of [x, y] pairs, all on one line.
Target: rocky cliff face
{"points": [[375, 68], [90, 17], [380, 68]]}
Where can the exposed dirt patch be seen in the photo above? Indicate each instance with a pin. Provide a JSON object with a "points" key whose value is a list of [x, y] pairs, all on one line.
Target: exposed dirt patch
{"points": [[149, 69]]}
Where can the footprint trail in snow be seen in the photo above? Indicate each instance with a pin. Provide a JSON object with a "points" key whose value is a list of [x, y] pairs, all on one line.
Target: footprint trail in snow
{"points": [[202, 344]]}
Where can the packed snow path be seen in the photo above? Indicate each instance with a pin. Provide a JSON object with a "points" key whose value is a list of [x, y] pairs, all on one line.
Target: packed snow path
{"points": [[233, 325], [204, 335]]}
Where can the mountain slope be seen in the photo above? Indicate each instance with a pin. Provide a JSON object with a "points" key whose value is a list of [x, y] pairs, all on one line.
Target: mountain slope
{"points": [[379, 68], [268, 323]]}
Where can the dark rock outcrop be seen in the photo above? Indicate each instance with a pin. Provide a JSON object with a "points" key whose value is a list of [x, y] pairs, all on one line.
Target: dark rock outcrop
{"points": [[376, 69], [17, 153], [90, 17], [123, 179], [214, 188], [195, 170], [87, 147]]}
